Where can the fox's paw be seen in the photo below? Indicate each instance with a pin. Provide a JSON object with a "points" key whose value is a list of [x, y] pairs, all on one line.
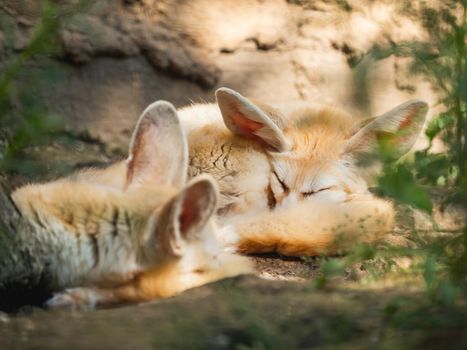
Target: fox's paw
{"points": [[74, 298]]}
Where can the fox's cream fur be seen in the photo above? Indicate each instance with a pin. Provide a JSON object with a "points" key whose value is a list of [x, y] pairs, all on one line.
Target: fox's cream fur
{"points": [[294, 177], [275, 156], [147, 237]]}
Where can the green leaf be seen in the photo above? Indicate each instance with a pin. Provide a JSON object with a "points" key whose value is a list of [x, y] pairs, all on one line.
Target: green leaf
{"points": [[398, 182], [438, 124], [429, 273]]}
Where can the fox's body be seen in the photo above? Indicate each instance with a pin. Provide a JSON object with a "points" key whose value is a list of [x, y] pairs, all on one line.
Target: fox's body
{"points": [[289, 175], [290, 182], [313, 227], [245, 169], [92, 233], [240, 166], [141, 239]]}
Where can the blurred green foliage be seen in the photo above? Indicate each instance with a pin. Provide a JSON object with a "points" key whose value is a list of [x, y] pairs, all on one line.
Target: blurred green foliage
{"points": [[442, 60], [24, 119], [398, 182], [438, 257]]}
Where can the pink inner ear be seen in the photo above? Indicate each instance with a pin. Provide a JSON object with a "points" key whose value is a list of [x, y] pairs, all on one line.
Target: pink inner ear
{"points": [[136, 151], [401, 134], [247, 126], [188, 216], [407, 122]]}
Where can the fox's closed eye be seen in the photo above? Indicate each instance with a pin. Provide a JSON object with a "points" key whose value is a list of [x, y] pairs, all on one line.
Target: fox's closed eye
{"points": [[310, 193]]}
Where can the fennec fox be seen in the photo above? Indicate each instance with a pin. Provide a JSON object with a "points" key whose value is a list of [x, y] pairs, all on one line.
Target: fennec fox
{"points": [[291, 176], [305, 167], [151, 238]]}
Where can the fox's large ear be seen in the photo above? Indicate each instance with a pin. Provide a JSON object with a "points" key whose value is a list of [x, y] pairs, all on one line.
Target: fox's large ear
{"points": [[158, 148], [246, 119], [396, 130], [186, 214]]}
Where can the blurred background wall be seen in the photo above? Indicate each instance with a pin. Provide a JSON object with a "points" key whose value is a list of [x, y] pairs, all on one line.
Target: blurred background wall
{"points": [[120, 55]]}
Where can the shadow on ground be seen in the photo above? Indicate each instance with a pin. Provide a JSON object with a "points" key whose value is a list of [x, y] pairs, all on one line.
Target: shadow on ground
{"points": [[247, 313]]}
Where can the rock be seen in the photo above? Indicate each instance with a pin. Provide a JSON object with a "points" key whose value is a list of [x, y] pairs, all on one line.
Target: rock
{"points": [[88, 37], [106, 96], [125, 54], [165, 50], [127, 36]]}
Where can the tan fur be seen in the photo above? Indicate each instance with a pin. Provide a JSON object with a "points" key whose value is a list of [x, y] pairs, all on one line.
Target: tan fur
{"points": [[289, 183], [235, 163], [243, 167], [113, 175], [134, 237], [315, 227], [269, 159], [91, 233], [297, 188]]}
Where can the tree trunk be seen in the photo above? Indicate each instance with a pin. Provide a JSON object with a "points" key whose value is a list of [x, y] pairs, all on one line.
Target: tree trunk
{"points": [[23, 269]]}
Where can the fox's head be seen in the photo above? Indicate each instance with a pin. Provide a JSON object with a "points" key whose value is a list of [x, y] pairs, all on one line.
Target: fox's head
{"points": [[318, 152], [179, 237]]}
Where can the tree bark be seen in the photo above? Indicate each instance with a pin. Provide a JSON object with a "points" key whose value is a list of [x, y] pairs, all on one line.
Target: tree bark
{"points": [[23, 269]]}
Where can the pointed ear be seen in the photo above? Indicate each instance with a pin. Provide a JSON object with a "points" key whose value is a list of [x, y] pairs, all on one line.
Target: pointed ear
{"points": [[186, 214], [246, 119], [396, 130], [158, 148]]}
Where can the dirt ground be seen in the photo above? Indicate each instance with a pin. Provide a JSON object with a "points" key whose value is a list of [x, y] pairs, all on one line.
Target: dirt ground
{"points": [[244, 313]]}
